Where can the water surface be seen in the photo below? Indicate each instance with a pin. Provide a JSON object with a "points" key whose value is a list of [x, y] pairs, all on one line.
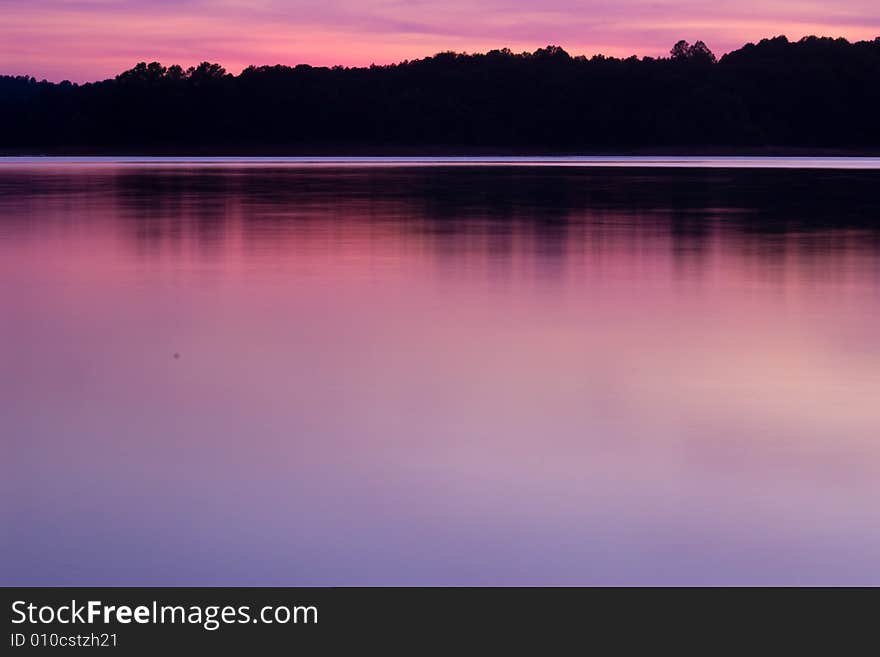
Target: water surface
{"points": [[214, 373]]}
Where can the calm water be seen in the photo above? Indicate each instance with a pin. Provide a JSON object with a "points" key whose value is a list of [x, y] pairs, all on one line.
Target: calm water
{"points": [[438, 375]]}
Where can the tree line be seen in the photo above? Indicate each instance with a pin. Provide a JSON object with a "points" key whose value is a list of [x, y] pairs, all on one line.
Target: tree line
{"points": [[814, 93]]}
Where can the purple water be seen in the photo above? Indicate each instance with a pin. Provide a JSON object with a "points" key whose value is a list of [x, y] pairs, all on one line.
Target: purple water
{"points": [[444, 375]]}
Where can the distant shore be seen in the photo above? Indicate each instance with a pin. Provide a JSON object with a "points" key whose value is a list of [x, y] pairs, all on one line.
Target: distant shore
{"points": [[814, 97], [431, 151]]}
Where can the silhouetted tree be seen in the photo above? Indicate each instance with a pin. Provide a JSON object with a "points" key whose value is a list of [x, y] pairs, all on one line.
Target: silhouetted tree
{"points": [[680, 50], [175, 72], [816, 92], [207, 71], [698, 52]]}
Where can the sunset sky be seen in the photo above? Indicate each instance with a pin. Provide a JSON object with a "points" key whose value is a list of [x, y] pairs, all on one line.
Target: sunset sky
{"points": [[85, 40]]}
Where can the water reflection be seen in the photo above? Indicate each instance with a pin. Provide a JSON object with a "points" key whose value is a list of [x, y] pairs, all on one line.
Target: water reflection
{"points": [[439, 376]]}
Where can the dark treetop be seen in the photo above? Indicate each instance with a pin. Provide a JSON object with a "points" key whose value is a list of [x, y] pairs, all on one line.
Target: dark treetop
{"points": [[817, 93]]}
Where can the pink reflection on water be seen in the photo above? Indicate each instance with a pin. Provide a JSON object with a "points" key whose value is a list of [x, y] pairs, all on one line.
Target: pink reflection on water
{"points": [[417, 388]]}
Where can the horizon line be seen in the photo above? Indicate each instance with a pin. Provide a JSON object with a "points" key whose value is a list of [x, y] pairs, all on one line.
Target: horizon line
{"points": [[475, 53]]}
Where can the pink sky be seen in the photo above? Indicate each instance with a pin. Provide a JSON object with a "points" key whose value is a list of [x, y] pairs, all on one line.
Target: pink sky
{"points": [[93, 39]]}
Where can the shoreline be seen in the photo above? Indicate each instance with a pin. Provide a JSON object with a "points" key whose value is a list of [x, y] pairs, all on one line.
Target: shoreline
{"points": [[572, 162], [356, 151]]}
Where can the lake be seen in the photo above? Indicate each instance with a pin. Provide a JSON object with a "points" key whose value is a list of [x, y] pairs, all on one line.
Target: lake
{"points": [[439, 372]]}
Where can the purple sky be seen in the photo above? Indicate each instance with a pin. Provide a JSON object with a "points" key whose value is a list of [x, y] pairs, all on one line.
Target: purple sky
{"points": [[93, 39]]}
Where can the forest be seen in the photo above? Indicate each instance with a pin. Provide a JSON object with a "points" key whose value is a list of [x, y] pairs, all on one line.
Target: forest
{"points": [[815, 93]]}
